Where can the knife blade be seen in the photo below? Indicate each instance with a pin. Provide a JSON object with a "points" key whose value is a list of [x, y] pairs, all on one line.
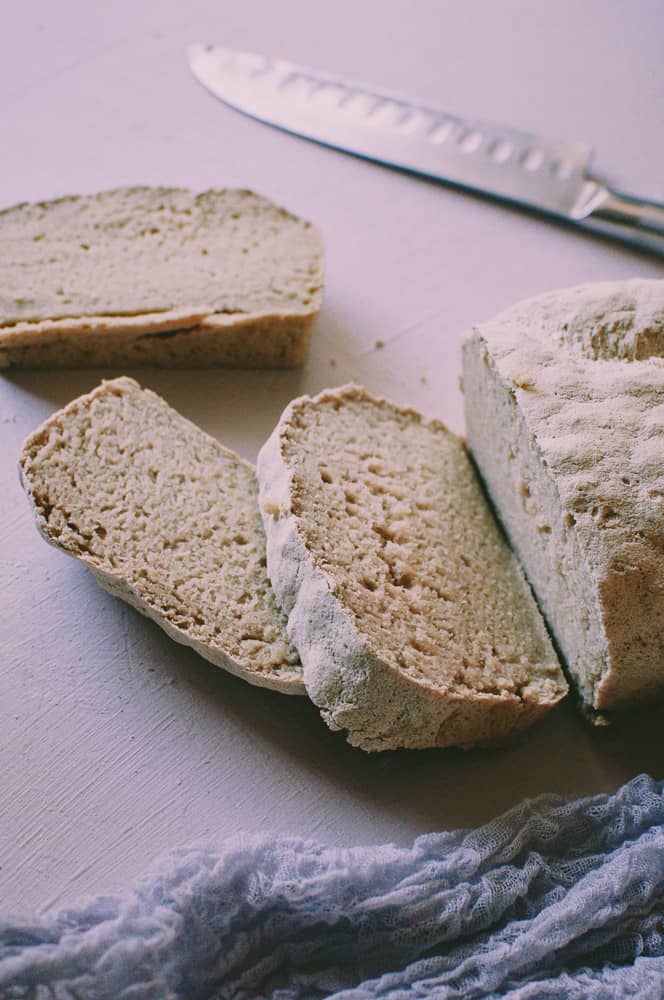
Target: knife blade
{"points": [[547, 176]]}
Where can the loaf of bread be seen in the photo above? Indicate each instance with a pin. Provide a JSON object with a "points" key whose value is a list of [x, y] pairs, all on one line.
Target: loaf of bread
{"points": [[413, 621], [564, 398], [167, 519], [157, 276]]}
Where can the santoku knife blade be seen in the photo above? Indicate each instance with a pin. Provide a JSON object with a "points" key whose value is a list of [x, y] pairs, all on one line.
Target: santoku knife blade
{"points": [[540, 174]]}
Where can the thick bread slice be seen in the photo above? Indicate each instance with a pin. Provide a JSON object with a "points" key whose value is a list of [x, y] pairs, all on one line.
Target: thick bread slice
{"points": [[157, 276], [413, 621], [565, 417], [167, 519]]}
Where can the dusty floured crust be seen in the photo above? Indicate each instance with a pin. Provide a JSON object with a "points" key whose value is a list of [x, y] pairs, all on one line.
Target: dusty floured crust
{"points": [[578, 375], [352, 683], [157, 276], [126, 571]]}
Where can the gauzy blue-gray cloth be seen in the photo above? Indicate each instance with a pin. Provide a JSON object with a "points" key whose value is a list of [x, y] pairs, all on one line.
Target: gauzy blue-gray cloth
{"points": [[553, 899]]}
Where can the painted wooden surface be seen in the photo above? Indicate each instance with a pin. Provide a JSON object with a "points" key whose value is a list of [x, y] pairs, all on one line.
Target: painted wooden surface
{"points": [[114, 742]]}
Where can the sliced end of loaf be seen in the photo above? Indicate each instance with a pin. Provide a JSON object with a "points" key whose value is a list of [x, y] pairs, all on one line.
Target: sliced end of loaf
{"points": [[564, 417]]}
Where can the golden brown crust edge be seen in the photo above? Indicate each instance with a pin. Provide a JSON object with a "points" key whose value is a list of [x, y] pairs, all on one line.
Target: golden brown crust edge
{"points": [[189, 338]]}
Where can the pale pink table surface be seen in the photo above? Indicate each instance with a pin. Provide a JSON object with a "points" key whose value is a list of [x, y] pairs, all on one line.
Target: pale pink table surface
{"points": [[115, 743]]}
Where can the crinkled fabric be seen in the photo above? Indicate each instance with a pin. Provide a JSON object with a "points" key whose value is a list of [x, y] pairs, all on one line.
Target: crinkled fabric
{"points": [[554, 899]]}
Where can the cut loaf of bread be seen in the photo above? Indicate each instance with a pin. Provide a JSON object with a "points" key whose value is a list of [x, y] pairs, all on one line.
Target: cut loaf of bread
{"points": [[167, 519], [414, 623], [157, 276], [565, 419]]}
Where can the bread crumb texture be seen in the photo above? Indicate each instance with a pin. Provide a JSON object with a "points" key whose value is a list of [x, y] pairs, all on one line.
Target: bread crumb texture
{"points": [[166, 518], [159, 272], [392, 519], [565, 418]]}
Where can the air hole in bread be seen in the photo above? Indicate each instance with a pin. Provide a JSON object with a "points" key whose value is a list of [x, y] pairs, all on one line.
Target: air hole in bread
{"points": [[384, 531]]}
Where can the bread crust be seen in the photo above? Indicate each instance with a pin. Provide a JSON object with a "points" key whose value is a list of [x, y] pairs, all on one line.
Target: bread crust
{"points": [[160, 340]]}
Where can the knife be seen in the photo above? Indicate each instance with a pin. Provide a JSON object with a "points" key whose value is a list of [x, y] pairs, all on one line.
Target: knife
{"points": [[540, 174]]}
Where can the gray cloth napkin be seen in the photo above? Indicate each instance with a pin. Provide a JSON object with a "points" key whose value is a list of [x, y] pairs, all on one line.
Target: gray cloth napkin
{"points": [[553, 899]]}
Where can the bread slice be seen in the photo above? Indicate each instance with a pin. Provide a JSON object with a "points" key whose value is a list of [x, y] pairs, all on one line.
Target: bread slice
{"points": [[157, 276], [413, 621], [167, 520], [565, 416]]}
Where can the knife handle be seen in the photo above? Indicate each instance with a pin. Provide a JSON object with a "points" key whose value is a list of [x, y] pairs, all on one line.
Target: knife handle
{"points": [[624, 217]]}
